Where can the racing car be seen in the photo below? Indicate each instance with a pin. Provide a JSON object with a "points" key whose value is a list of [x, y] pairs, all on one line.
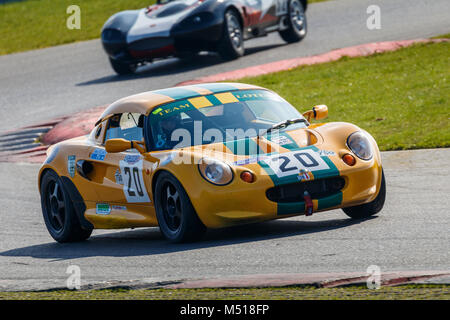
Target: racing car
{"points": [[207, 156], [183, 28]]}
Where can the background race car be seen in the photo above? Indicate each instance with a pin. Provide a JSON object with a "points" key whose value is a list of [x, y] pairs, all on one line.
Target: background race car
{"points": [[184, 27], [207, 156]]}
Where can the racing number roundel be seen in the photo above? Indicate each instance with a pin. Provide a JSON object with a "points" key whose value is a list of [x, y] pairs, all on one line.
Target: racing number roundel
{"points": [[286, 164], [133, 181]]}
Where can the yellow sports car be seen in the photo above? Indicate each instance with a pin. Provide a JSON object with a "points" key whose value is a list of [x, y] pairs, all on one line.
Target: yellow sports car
{"points": [[207, 156]]}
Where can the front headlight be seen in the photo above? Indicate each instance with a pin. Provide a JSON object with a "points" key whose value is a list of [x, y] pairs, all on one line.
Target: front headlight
{"points": [[359, 144], [215, 171]]}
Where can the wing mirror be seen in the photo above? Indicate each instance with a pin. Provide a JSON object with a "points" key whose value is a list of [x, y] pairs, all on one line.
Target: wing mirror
{"points": [[317, 113], [120, 145]]}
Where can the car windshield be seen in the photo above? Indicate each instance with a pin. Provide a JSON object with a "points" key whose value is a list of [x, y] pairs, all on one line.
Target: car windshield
{"points": [[218, 118]]}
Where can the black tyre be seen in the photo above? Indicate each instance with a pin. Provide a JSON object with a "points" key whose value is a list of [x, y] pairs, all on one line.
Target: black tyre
{"points": [[231, 45], [177, 218], [371, 208], [123, 68], [296, 22], [57, 209]]}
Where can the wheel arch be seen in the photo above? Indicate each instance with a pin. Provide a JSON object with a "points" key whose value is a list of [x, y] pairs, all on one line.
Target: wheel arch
{"points": [[304, 3], [75, 196], [42, 172], [236, 9], [179, 178]]}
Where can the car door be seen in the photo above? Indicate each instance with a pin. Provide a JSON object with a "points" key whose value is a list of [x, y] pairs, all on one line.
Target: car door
{"points": [[121, 179], [270, 10]]}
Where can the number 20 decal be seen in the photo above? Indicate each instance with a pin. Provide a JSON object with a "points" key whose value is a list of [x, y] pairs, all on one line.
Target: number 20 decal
{"points": [[291, 163], [134, 186]]}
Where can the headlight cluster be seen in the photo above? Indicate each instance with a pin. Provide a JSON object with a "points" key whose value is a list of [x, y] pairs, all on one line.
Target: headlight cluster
{"points": [[359, 144], [215, 171]]}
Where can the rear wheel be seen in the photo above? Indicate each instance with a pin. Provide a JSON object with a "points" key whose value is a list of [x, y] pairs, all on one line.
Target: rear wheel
{"points": [[296, 22], [57, 209], [231, 45], [177, 218], [371, 208], [123, 68]]}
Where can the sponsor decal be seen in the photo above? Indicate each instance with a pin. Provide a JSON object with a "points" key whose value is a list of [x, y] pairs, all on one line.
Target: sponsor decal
{"points": [[71, 165], [281, 140], [326, 153], [123, 208], [118, 177], [103, 208], [250, 160], [304, 175], [169, 109], [156, 111], [132, 158], [98, 154]]}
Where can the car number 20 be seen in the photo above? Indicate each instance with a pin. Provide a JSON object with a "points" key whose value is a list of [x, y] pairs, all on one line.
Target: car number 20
{"points": [[286, 164], [133, 182]]}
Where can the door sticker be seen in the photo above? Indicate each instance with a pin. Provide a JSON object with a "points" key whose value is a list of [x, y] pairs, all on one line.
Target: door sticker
{"points": [[133, 181], [71, 165], [98, 154], [103, 208]]}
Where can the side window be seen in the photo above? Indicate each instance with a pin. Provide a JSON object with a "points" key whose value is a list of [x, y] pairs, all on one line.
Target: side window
{"points": [[129, 126]]}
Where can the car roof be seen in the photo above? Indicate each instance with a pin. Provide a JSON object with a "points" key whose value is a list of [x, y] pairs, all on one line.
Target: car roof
{"points": [[145, 102]]}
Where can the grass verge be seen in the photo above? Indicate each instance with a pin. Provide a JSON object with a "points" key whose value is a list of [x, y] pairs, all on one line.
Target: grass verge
{"points": [[33, 24], [401, 97], [414, 292]]}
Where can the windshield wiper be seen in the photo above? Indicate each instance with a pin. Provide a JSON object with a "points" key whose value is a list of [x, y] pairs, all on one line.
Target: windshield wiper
{"points": [[284, 124]]}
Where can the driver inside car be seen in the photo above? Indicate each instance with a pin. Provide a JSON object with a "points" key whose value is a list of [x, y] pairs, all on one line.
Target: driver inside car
{"points": [[167, 127]]}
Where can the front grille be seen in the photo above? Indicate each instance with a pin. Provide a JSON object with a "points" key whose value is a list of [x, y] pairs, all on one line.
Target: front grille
{"points": [[113, 35], [148, 44], [317, 189]]}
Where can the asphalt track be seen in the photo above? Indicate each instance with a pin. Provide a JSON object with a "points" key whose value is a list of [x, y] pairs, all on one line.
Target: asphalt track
{"points": [[43, 84], [410, 234]]}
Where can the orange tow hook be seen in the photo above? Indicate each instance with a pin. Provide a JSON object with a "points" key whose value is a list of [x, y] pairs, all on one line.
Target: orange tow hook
{"points": [[308, 204]]}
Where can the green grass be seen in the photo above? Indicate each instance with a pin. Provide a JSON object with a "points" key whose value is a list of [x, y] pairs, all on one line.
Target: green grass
{"points": [[415, 292], [442, 36], [32, 24], [402, 98]]}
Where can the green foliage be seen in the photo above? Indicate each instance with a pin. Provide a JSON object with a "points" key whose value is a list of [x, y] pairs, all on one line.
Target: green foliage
{"points": [[402, 98], [32, 24]]}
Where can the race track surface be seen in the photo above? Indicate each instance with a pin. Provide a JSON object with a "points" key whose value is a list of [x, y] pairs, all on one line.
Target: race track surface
{"points": [[411, 233], [42, 84]]}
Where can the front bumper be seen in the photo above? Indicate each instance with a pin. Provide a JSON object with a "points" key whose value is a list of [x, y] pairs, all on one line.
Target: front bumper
{"points": [[182, 39], [241, 202]]}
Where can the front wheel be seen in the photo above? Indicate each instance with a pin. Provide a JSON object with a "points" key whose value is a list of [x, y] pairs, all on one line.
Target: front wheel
{"points": [[371, 208], [296, 23], [176, 216], [58, 211], [123, 68], [231, 45]]}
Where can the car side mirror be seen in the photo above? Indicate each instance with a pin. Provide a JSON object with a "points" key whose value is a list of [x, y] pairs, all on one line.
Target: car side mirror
{"points": [[120, 145], [317, 113]]}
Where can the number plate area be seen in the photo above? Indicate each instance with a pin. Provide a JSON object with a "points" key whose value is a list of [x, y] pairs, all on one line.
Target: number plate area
{"points": [[293, 163], [133, 182]]}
